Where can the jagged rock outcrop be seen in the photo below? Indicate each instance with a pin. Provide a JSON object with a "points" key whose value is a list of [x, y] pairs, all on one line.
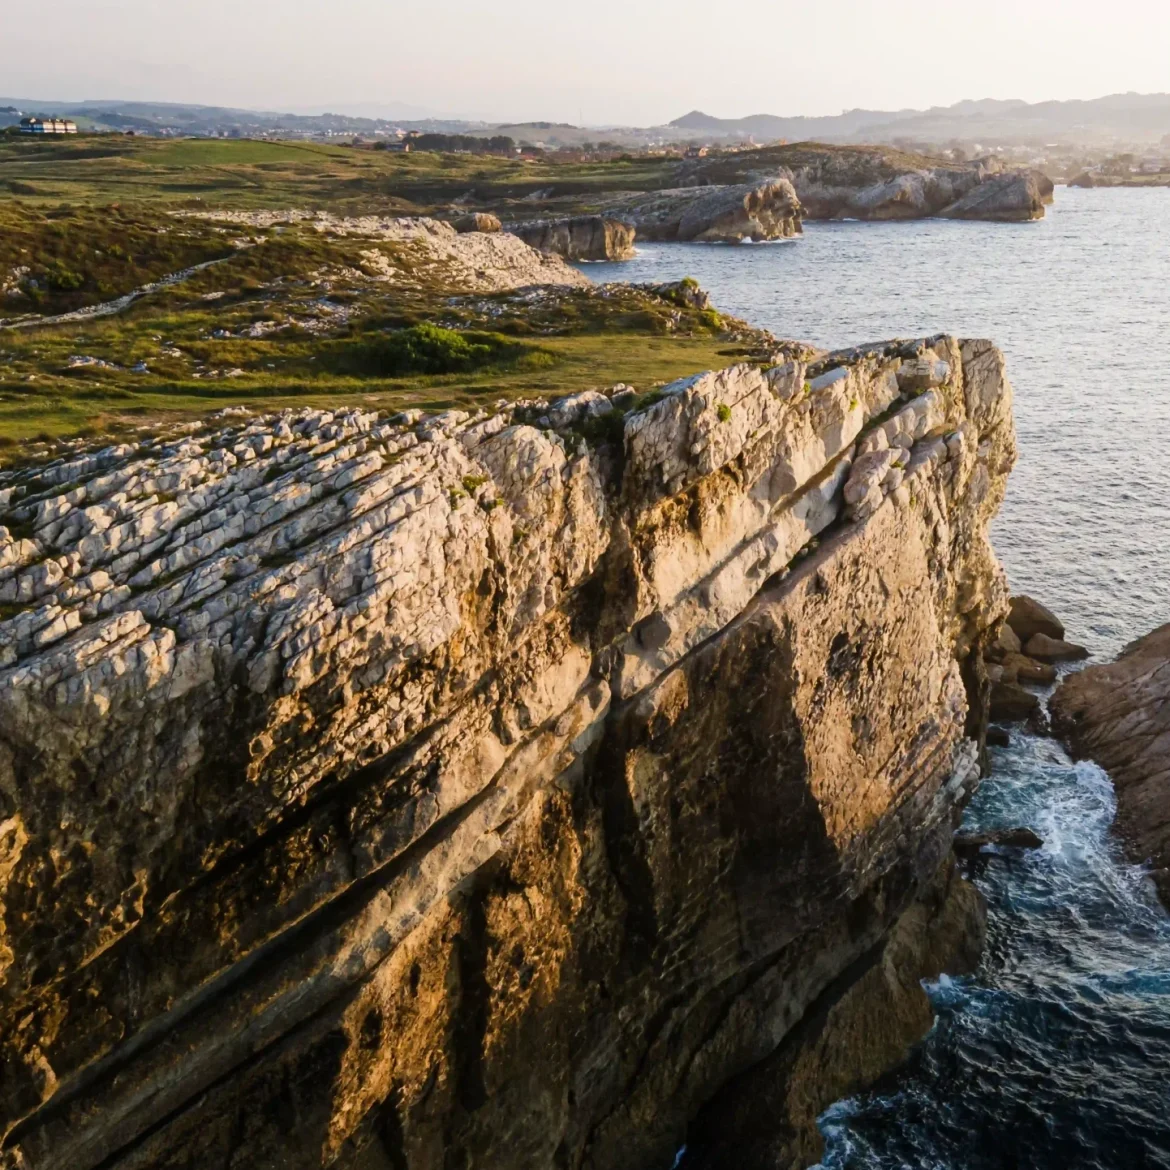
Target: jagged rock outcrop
{"points": [[581, 237], [454, 790], [1119, 715], [881, 183], [476, 261], [1011, 198], [766, 210]]}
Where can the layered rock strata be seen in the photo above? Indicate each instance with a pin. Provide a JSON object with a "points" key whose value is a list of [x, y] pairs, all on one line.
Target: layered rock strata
{"points": [[1119, 715], [581, 237], [879, 183], [767, 210], [452, 790]]}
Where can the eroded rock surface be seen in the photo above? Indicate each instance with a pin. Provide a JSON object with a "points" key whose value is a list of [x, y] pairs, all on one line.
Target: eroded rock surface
{"points": [[480, 260], [1119, 715], [767, 210], [581, 237], [383, 793]]}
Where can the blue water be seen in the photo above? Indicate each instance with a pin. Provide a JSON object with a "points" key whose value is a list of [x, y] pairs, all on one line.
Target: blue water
{"points": [[1056, 1052]]}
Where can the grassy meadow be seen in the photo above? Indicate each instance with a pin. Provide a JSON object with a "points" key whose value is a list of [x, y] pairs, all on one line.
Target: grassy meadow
{"points": [[286, 315]]}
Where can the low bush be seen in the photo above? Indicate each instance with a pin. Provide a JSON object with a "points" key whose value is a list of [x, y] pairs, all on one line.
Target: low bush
{"points": [[431, 349]]}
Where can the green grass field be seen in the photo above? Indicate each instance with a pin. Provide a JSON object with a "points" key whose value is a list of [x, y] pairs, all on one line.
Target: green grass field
{"points": [[287, 315]]}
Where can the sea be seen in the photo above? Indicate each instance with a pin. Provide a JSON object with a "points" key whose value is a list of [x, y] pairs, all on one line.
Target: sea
{"points": [[1055, 1053]]}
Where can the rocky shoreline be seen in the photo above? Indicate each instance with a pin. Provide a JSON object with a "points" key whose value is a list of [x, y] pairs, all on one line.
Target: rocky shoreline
{"points": [[1118, 714], [384, 791]]}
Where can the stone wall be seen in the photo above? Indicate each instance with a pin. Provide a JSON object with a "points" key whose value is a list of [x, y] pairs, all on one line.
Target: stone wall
{"points": [[489, 790]]}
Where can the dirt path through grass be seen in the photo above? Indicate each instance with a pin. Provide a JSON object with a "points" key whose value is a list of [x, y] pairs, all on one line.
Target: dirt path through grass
{"points": [[110, 308]]}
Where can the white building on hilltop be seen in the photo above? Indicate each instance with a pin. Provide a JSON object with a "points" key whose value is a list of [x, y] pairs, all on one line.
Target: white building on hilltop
{"points": [[47, 126]]}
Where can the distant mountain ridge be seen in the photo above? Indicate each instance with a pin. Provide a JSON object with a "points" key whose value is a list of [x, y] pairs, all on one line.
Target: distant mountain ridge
{"points": [[1129, 117]]}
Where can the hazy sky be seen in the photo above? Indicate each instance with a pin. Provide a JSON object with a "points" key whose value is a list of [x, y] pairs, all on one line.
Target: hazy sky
{"points": [[625, 61]]}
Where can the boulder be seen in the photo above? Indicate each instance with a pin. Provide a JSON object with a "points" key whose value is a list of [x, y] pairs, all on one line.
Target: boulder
{"points": [[1011, 703], [582, 237], [1007, 641], [478, 221], [1046, 649], [768, 210], [998, 737], [1021, 668], [1028, 617], [968, 845], [1119, 715]]}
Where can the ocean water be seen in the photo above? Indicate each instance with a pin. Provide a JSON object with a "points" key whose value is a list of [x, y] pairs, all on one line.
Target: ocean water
{"points": [[1055, 1054]]}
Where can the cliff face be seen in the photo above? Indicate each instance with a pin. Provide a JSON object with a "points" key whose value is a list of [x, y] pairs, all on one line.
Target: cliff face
{"points": [[463, 791], [1119, 715], [767, 210], [581, 237]]}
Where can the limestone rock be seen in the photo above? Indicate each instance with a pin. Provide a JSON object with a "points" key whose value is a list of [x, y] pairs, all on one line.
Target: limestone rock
{"points": [[1029, 617], [1007, 641], [583, 237], [1011, 198], [1047, 649], [478, 221], [1119, 715], [752, 211], [1021, 668], [444, 789]]}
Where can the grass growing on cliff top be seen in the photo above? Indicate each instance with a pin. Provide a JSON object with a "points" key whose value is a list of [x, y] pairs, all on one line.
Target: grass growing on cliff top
{"points": [[258, 174]]}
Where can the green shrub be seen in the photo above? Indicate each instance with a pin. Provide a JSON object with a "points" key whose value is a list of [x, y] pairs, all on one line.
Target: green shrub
{"points": [[431, 349], [724, 412]]}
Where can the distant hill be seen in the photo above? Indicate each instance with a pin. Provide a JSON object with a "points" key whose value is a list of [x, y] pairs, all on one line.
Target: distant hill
{"points": [[1119, 118]]}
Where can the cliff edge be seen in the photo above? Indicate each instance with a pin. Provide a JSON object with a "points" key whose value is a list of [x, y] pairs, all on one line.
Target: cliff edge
{"points": [[491, 789]]}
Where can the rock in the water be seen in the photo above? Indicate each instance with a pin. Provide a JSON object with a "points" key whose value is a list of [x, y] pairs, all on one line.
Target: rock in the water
{"points": [[1119, 715], [1010, 198], [767, 210], [478, 221], [998, 737], [1011, 703], [583, 237], [1028, 617], [968, 845], [1021, 668], [1046, 649]]}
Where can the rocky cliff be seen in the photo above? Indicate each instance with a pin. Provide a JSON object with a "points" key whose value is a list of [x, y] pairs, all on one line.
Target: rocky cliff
{"points": [[580, 237], [495, 789], [768, 210], [1119, 715], [881, 183]]}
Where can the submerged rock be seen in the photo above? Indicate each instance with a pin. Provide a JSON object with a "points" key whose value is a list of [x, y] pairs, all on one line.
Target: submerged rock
{"points": [[1119, 715], [447, 789], [969, 845]]}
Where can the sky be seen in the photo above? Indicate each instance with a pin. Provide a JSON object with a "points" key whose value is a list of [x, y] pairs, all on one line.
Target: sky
{"points": [[627, 62]]}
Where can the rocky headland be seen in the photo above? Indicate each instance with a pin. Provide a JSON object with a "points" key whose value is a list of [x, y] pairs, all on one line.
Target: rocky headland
{"points": [[1118, 714], [528, 787], [881, 183], [765, 210]]}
